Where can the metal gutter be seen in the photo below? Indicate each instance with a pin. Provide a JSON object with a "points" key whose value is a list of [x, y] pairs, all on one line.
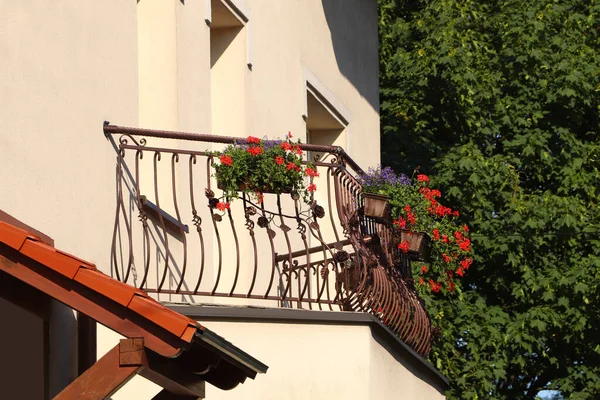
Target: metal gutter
{"points": [[228, 350]]}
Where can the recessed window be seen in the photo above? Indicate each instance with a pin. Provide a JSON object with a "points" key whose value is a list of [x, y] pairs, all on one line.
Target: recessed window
{"points": [[228, 69], [324, 125]]}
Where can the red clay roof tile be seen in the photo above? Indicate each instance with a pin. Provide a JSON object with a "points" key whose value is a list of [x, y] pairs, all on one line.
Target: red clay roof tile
{"points": [[106, 285], [48, 256], [13, 236], [162, 316], [86, 274]]}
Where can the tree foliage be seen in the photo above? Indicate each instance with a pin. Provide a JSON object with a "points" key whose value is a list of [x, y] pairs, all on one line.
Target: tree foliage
{"points": [[499, 102]]}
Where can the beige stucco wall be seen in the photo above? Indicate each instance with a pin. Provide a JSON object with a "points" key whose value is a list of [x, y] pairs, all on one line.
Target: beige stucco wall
{"points": [[64, 68], [312, 361], [333, 45], [258, 87], [68, 66], [317, 361]]}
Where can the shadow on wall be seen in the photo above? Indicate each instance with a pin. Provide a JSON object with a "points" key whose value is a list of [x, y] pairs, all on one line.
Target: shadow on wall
{"points": [[355, 44]]}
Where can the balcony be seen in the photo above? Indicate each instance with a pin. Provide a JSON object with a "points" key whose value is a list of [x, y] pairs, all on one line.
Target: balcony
{"points": [[281, 252]]}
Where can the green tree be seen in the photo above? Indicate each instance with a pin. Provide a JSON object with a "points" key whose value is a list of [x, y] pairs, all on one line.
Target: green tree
{"points": [[499, 102]]}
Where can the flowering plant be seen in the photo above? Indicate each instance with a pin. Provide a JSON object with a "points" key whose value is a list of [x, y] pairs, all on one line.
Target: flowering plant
{"points": [[381, 180], [417, 209], [256, 166]]}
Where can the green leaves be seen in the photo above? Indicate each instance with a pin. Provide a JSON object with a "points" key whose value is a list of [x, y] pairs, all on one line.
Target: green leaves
{"points": [[499, 101]]}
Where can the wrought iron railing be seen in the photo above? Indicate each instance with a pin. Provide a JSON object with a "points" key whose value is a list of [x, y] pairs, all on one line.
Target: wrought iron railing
{"points": [[280, 252]]}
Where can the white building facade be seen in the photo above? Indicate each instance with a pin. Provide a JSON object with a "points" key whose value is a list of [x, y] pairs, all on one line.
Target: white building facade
{"points": [[223, 67]]}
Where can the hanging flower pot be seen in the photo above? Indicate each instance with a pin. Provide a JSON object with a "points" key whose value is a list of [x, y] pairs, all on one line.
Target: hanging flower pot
{"points": [[244, 185], [256, 166], [415, 245], [350, 277], [376, 205]]}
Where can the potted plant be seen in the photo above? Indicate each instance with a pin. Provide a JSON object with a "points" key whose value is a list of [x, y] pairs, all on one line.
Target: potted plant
{"points": [[257, 166], [349, 275], [415, 244], [376, 184], [430, 232]]}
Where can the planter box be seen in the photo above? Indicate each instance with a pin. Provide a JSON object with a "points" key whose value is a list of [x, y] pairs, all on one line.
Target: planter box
{"points": [[376, 205], [418, 244], [243, 186]]}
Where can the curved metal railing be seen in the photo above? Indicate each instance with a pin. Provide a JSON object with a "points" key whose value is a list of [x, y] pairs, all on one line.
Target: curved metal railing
{"points": [[280, 252]]}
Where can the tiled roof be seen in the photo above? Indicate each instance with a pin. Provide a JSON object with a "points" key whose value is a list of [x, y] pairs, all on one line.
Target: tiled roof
{"points": [[123, 308], [88, 275]]}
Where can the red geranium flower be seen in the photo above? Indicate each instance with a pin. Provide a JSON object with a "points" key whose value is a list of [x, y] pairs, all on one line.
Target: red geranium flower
{"points": [[411, 218], [404, 246], [260, 196], [279, 160], [422, 178], [465, 228], [436, 234], [255, 150], [401, 222], [311, 172], [312, 187], [466, 263], [223, 206], [286, 146], [226, 160], [253, 140], [424, 269], [435, 286], [289, 135], [465, 245]]}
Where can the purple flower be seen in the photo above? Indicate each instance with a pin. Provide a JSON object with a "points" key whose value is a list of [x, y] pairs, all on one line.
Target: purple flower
{"points": [[378, 179], [269, 144]]}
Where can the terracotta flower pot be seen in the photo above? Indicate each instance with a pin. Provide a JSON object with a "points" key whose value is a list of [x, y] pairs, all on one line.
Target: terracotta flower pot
{"points": [[418, 244], [376, 205], [350, 277]]}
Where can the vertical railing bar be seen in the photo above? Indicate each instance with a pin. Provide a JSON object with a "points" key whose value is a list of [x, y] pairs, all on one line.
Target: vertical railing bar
{"points": [[117, 212], [143, 218], [237, 253], [157, 158], [175, 159], [302, 231], [197, 221], [333, 224], [262, 207], [287, 240], [250, 227], [209, 162]]}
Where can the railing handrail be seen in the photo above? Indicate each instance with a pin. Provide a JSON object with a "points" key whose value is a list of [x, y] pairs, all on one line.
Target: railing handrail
{"points": [[205, 137]]}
